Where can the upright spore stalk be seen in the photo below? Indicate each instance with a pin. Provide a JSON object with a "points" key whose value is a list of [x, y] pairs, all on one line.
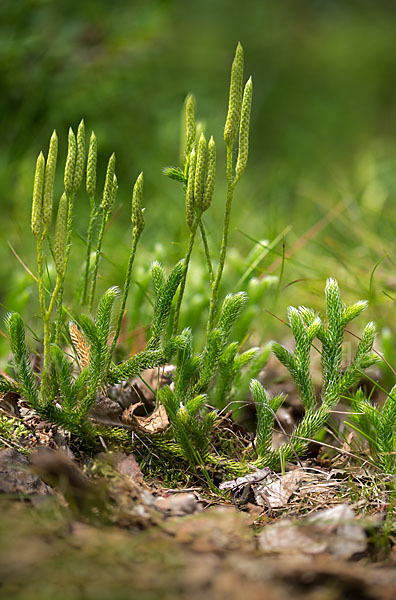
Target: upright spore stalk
{"points": [[238, 117], [74, 169], [43, 193], [109, 194], [137, 229], [91, 187], [198, 199]]}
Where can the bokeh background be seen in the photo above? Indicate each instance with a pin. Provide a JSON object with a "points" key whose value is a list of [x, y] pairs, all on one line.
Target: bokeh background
{"points": [[320, 186]]}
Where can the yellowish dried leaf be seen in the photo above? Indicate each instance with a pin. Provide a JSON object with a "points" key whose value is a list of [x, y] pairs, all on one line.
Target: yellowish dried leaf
{"points": [[80, 345]]}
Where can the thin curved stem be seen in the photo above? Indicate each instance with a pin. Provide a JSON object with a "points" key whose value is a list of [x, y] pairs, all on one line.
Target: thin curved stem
{"points": [[46, 315], [125, 291], [92, 220], [96, 263], [185, 271], [59, 299], [207, 253], [224, 242], [43, 309]]}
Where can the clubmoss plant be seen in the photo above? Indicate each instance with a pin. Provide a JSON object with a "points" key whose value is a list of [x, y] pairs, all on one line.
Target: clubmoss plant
{"points": [[73, 174], [105, 208], [91, 189], [137, 229], [233, 122], [72, 398], [377, 425], [43, 191], [199, 194], [62, 396], [198, 175], [206, 380], [306, 326]]}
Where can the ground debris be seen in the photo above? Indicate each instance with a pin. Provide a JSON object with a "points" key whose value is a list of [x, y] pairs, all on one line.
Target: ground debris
{"points": [[141, 389], [9, 403], [334, 530], [143, 553], [258, 475], [277, 492], [61, 473], [127, 465], [217, 529], [16, 476], [157, 422], [184, 503]]}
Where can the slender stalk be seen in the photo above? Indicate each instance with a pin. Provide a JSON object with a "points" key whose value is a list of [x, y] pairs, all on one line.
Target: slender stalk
{"points": [[92, 219], [58, 285], [185, 271], [58, 323], [224, 241], [97, 257], [46, 314], [47, 337], [46, 360], [125, 291], [59, 299], [206, 249], [43, 309], [40, 262]]}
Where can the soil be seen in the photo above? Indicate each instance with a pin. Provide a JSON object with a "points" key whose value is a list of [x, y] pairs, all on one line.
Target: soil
{"points": [[75, 525], [110, 533]]}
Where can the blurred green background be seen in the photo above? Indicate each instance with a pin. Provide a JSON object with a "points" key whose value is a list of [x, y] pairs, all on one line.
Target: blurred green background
{"points": [[321, 179]]}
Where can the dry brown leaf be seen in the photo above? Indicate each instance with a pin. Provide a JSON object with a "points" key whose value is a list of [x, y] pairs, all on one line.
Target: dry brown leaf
{"points": [[9, 403], [258, 475], [334, 530], [241, 488], [157, 422], [278, 491], [178, 505]]}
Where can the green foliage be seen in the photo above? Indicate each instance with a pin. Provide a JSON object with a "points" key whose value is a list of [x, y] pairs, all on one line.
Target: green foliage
{"points": [[12, 432], [217, 374], [199, 175], [8, 385], [63, 397], [163, 303], [305, 326], [266, 411], [70, 398], [191, 432], [377, 425], [27, 383], [204, 378]]}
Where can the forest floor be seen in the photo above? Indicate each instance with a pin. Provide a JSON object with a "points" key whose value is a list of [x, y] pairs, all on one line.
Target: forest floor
{"points": [[80, 526]]}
